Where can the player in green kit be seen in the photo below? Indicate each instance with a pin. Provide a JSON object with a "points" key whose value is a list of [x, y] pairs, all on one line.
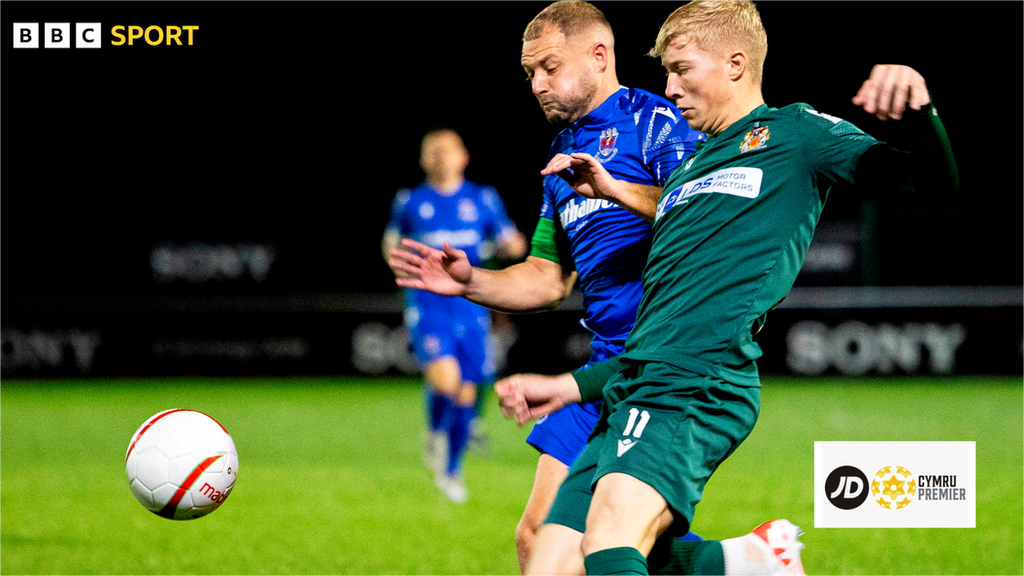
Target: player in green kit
{"points": [[730, 234]]}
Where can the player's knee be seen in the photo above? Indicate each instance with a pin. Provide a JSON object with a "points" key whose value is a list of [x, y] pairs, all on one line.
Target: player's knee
{"points": [[445, 377], [467, 395], [526, 533], [593, 541], [555, 551], [528, 526]]}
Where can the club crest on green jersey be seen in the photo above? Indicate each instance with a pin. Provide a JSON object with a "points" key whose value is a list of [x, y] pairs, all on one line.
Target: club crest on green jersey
{"points": [[755, 139]]}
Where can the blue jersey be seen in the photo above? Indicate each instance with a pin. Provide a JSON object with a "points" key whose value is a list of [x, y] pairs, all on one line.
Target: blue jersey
{"points": [[638, 137], [471, 219]]}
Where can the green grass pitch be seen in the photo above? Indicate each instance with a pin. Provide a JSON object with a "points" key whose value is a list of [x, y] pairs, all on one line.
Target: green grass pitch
{"points": [[331, 481]]}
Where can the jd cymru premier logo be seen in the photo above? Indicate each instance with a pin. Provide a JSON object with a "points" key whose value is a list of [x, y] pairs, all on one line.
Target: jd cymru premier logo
{"points": [[892, 487], [909, 484]]}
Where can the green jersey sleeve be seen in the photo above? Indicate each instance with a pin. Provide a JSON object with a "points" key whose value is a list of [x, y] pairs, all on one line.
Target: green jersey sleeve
{"points": [[833, 146], [591, 380], [928, 163]]}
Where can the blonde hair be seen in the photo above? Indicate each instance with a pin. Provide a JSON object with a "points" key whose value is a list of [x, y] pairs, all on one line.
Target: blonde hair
{"points": [[571, 17], [715, 25]]}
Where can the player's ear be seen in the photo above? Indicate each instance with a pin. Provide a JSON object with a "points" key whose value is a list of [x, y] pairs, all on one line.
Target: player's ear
{"points": [[601, 55], [737, 65]]}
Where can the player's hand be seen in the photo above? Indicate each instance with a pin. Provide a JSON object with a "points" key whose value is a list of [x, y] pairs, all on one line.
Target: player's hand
{"points": [[526, 397], [446, 272], [585, 174], [890, 89]]}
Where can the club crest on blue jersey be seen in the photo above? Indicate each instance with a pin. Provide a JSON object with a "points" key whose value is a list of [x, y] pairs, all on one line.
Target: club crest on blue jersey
{"points": [[468, 211], [755, 139], [606, 148], [426, 210]]}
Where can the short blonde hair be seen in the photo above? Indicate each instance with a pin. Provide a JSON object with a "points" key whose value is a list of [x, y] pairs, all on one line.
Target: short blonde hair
{"points": [[717, 25], [571, 17]]}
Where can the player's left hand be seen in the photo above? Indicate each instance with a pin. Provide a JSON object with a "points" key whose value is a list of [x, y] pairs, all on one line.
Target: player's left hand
{"points": [[585, 174], [890, 89]]}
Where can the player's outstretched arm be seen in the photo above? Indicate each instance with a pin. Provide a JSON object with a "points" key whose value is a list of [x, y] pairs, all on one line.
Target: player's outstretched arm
{"points": [[589, 178], [533, 285], [894, 92], [526, 397]]}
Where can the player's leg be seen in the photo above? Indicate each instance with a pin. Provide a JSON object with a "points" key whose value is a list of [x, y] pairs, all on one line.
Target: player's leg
{"points": [[436, 446], [473, 353], [479, 441], [451, 482], [556, 549], [771, 548], [667, 432], [549, 476], [560, 437], [443, 376], [625, 518]]}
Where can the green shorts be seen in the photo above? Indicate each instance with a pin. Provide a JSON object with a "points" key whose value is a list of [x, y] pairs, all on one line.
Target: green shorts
{"points": [[665, 426]]}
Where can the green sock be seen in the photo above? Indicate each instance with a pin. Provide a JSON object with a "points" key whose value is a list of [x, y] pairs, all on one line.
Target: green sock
{"points": [[616, 561], [670, 556]]}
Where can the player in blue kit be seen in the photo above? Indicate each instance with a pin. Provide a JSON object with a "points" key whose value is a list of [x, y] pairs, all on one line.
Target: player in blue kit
{"points": [[450, 336], [568, 55]]}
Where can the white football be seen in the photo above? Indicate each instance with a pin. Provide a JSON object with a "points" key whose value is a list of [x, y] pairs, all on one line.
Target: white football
{"points": [[181, 464]]}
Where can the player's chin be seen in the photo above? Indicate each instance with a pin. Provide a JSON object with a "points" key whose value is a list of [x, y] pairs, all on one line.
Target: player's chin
{"points": [[556, 116], [692, 118]]}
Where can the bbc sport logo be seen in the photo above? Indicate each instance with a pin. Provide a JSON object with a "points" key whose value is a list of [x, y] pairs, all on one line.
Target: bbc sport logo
{"points": [[894, 485], [89, 35]]}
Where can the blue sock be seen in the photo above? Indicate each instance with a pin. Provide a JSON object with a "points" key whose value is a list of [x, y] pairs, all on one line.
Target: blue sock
{"points": [[458, 436], [438, 406], [690, 537]]}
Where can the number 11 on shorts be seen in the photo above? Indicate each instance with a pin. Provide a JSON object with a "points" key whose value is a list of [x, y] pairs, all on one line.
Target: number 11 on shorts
{"points": [[626, 443]]}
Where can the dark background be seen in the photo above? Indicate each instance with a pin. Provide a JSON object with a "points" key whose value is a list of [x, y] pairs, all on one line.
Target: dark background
{"points": [[287, 131], [291, 125]]}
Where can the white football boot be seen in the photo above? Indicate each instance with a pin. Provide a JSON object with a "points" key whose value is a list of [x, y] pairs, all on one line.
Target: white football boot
{"points": [[780, 539], [453, 487]]}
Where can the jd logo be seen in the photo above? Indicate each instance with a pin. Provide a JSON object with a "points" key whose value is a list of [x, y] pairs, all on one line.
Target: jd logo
{"points": [[846, 487]]}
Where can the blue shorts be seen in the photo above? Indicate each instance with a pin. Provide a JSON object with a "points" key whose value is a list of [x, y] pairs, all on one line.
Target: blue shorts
{"points": [[563, 434], [466, 338]]}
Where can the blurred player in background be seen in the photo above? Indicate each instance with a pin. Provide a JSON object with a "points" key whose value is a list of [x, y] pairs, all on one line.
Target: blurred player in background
{"points": [[450, 336], [569, 58], [730, 234]]}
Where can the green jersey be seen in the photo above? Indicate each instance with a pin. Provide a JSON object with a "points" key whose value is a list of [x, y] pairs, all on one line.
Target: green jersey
{"points": [[730, 235]]}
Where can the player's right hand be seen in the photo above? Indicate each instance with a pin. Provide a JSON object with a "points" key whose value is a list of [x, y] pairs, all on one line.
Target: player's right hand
{"points": [[446, 272], [526, 397]]}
